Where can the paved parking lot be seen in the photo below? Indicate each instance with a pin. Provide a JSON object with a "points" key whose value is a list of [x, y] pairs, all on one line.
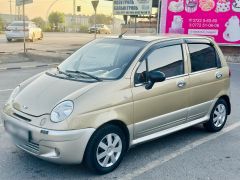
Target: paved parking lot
{"points": [[189, 154], [59, 42]]}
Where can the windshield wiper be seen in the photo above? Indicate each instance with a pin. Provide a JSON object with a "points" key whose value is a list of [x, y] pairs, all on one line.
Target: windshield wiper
{"points": [[66, 74], [84, 73]]}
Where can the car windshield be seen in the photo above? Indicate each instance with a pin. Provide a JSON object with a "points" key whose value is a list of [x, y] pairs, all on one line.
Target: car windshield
{"points": [[103, 58], [18, 24]]}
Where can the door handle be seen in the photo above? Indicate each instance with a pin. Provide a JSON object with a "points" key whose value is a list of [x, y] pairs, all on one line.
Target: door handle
{"points": [[181, 84], [219, 75]]}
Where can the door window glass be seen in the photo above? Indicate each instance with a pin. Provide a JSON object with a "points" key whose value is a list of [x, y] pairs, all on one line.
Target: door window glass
{"points": [[140, 76], [203, 56], [168, 60]]}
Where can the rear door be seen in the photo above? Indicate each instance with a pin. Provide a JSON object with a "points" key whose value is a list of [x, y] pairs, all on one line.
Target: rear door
{"points": [[205, 77]]}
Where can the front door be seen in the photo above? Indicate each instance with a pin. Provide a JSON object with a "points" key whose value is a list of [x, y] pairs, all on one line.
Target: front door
{"points": [[166, 104]]}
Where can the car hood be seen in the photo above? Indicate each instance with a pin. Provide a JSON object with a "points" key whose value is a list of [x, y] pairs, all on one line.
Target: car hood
{"points": [[41, 95]]}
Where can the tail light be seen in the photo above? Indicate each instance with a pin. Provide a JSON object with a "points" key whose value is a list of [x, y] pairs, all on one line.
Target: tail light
{"points": [[230, 73]]}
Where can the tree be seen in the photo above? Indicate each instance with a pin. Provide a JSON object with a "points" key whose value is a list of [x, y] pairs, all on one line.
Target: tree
{"points": [[1, 25], [101, 19], [56, 18], [40, 22]]}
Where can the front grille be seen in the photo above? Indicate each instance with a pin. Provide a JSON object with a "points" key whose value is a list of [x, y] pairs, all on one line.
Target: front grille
{"points": [[28, 146], [21, 117]]}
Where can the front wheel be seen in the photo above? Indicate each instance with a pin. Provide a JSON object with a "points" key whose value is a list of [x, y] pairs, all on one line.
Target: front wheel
{"points": [[218, 116], [105, 149]]}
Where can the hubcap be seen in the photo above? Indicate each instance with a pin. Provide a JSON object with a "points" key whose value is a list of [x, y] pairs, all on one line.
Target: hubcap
{"points": [[219, 115], [109, 150]]}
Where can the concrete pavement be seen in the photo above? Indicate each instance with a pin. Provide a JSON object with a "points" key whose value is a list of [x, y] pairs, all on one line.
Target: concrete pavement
{"points": [[189, 154]]}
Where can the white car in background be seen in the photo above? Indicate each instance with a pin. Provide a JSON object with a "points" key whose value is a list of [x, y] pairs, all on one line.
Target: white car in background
{"points": [[16, 31], [100, 29]]}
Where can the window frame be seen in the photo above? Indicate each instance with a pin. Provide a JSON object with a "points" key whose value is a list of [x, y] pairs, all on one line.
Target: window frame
{"points": [[154, 47], [206, 42]]}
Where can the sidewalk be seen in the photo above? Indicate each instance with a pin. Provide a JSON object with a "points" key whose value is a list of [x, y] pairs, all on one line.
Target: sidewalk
{"points": [[30, 60]]}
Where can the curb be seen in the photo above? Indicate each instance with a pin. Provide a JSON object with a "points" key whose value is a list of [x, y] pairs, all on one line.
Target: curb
{"points": [[29, 67]]}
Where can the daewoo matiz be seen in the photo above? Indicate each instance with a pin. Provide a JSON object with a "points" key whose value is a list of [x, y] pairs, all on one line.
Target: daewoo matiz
{"points": [[116, 92]]}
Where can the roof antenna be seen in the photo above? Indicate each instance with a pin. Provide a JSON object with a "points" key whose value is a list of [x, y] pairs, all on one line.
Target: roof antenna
{"points": [[121, 35]]}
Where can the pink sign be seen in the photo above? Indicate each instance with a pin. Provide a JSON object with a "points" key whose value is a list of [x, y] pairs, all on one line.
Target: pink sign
{"points": [[219, 19]]}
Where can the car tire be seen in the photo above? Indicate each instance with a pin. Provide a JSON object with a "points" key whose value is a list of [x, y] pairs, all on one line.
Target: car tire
{"points": [[41, 37], [33, 39], [105, 149], [218, 116], [9, 39]]}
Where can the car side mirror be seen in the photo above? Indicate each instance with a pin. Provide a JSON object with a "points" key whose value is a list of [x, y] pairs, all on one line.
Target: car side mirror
{"points": [[155, 76]]}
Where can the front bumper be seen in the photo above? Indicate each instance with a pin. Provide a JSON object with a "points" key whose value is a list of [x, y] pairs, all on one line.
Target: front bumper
{"points": [[64, 147]]}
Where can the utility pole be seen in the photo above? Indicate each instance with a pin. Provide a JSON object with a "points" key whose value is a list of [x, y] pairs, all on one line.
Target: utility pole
{"points": [[19, 15], [10, 1], [24, 28], [74, 15], [158, 17]]}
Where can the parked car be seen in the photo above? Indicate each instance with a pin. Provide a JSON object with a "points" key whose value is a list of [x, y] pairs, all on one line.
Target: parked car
{"points": [[100, 29], [114, 93], [16, 31]]}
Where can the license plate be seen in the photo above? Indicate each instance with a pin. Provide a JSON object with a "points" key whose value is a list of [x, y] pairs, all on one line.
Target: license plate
{"points": [[17, 131]]}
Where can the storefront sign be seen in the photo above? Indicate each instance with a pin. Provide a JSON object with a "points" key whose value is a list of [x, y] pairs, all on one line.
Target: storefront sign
{"points": [[219, 19], [132, 7], [20, 2]]}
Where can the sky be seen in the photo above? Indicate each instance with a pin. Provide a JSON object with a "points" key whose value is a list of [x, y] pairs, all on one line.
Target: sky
{"points": [[40, 7]]}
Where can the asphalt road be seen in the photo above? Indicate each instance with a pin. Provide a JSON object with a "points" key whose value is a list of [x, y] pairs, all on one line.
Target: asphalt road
{"points": [[189, 154]]}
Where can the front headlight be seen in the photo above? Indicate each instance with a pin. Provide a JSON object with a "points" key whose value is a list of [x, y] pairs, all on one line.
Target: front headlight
{"points": [[14, 93], [62, 111]]}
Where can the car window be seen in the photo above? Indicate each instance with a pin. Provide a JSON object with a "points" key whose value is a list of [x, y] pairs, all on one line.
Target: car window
{"points": [[19, 24], [140, 75], [33, 25], [105, 58], [203, 56], [168, 60]]}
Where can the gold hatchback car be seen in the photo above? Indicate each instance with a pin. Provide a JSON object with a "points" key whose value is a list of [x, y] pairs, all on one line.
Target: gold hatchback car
{"points": [[116, 92]]}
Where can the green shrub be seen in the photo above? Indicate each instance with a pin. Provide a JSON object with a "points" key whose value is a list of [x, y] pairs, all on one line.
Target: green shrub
{"points": [[83, 29]]}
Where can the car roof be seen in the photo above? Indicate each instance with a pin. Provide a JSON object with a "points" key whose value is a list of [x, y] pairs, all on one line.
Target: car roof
{"points": [[160, 37]]}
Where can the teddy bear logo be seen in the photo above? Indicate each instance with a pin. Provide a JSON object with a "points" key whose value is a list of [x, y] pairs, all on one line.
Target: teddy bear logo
{"points": [[176, 6], [232, 32], [236, 6]]}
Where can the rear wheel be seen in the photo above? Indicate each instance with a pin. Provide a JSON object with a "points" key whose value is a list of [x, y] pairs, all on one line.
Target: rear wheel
{"points": [[9, 39], [218, 116], [105, 149], [33, 39], [41, 36]]}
